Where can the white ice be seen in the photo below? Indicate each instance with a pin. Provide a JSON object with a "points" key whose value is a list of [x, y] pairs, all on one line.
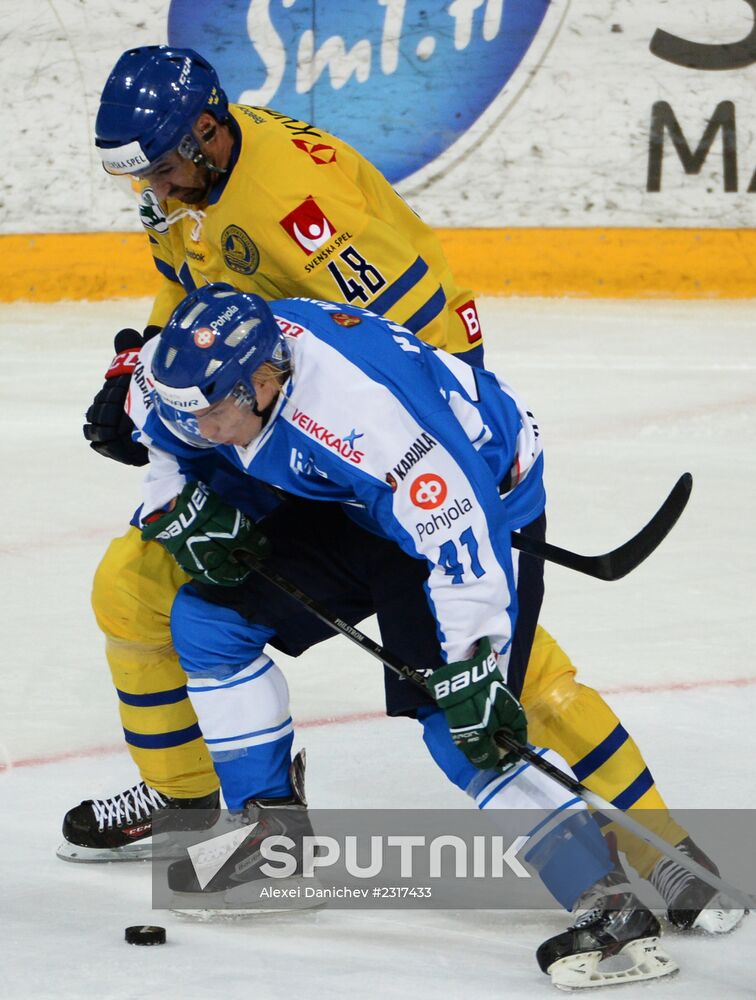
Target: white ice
{"points": [[628, 396]]}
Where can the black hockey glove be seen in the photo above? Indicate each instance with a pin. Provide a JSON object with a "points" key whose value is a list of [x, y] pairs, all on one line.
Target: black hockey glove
{"points": [[202, 533], [108, 427], [478, 704]]}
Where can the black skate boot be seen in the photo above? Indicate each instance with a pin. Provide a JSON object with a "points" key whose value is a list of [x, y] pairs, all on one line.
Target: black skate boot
{"points": [[691, 903], [229, 875], [615, 939], [120, 828]]}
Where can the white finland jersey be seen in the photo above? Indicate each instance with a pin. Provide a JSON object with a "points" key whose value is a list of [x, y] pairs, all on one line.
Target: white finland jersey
{"points": [[440, 457]]}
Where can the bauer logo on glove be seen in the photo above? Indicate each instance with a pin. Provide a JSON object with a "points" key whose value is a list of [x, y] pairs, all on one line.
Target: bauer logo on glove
{"points": [[478, 705], [203, 534], [465, 678], [188, 516]]}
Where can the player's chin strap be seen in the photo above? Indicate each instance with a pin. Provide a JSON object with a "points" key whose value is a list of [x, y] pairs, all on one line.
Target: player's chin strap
{"points": [[265, 413], [242, 395], [189, 149], [185, 212]]}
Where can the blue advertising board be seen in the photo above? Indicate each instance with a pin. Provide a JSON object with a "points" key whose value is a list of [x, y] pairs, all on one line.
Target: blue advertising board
{"points": [[401, 80]]}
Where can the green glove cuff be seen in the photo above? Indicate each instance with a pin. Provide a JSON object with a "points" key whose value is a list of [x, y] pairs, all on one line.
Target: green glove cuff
{"points": [[203, 533], [478, 704], [451, 684], [194, 505]]}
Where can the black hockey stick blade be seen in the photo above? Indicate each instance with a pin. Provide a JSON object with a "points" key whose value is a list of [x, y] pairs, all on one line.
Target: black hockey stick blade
{"points": [[623, 560]]}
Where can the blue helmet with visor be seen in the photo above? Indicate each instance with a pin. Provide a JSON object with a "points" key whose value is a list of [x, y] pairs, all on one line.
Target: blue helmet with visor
{"points": [[211, 347], [149, 104]]}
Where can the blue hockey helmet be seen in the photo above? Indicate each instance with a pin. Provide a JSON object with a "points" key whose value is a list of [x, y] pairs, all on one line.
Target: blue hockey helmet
{"points": [[149, 104], [211, 347]]}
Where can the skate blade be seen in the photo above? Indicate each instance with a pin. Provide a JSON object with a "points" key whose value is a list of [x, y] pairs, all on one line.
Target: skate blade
{"points": [[638, 960], [272, 897], [275, 895], [139, 851], [197, 905], [250, 916], [719, 917]]}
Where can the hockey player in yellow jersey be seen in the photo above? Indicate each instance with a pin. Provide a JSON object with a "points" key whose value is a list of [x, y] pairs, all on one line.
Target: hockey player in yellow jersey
{"points": [[298, 212], [278, 207]]}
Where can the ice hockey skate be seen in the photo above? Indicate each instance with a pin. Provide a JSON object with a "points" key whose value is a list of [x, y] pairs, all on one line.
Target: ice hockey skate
{"points": [[119, 828], [614, 939], [225, 873], [692, 905]]}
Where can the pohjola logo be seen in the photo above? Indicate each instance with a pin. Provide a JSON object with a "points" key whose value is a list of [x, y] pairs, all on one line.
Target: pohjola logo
{"points": [[401, 80]]}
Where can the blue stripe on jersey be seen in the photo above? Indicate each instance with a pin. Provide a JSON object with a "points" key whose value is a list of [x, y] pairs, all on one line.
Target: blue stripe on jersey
{"points": [[600, 754], [254, 732], [498, 788], [509, 778], [633, 792], [426, 313], [232, 683], [185, 277], [162, 741], [165, 269], [155, 698], [397, 289], [257, 771]]}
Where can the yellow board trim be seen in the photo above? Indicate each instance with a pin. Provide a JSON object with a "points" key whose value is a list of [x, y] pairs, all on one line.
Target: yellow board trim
{"points": [[601, 263]]}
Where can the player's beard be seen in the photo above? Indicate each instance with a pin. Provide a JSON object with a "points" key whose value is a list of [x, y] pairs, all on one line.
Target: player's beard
{"points": [[192, 196], [196, 194]]}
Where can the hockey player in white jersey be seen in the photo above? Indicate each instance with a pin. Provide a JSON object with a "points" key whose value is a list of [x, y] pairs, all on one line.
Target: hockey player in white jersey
{"points": [[434, 464]]}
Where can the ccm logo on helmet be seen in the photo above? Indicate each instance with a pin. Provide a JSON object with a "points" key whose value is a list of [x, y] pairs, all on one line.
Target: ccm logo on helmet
{"points": [[466, 677], [185, 70]]}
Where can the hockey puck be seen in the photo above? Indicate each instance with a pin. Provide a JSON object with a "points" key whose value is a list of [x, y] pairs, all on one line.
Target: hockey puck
{"points": [[145, 935]]}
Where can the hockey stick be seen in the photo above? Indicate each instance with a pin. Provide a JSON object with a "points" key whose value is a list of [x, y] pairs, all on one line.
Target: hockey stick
{"points": [[334, 622], [621, 818], [612, 813], [620, 561], [623, 560]]}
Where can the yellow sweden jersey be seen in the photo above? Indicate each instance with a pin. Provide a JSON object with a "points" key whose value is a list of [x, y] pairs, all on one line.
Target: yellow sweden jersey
{"points": [[302, 213]]}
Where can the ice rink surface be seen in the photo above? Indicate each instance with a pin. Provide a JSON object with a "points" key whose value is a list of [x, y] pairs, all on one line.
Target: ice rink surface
{"points": [[628, 396]]}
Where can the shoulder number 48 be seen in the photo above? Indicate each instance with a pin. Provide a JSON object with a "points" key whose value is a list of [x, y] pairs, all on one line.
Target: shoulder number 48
{"points": [[367, 282]]}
